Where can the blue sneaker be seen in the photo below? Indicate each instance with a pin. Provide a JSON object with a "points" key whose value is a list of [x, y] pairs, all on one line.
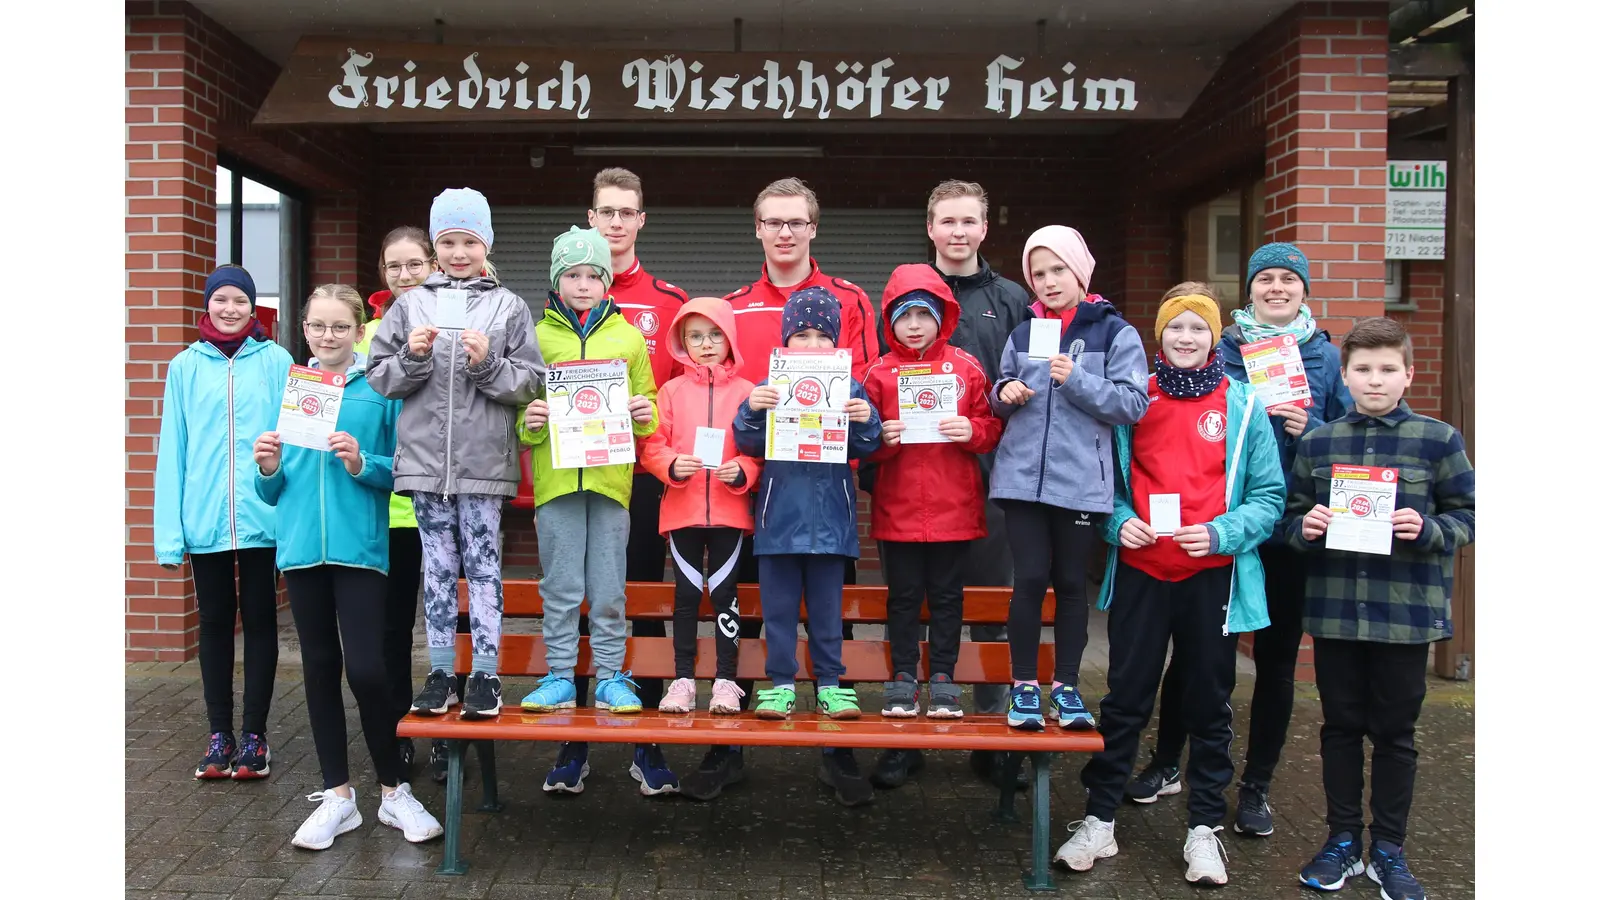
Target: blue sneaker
{"points": [[572, 766], [1023, 710], [1067, 705], [617, 694], [1339, 858], [554, 692], [1387, 868], [650, 770]]}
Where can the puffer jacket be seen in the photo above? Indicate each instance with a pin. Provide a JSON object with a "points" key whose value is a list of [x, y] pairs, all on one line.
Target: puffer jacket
{"points": [[326, 516], [401, 513], [1056, 448], [702, 397], [212, 410], [607, 336], [458, 423], [806, 507], [930, 492]]}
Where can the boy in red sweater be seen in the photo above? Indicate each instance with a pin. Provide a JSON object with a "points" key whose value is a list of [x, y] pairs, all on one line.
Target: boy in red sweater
{"points": [[928, 503]]}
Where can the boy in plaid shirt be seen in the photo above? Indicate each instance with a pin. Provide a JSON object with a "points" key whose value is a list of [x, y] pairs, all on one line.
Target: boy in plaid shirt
{"points": [[1373, 616]]}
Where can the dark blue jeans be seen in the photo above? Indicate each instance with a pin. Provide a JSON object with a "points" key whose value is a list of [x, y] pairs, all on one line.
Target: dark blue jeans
{"points": [[819, 579]]}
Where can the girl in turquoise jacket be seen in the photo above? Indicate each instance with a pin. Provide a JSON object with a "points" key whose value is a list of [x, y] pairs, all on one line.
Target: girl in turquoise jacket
{"points": [[221, 392], [1197, 489], [333, 502]]}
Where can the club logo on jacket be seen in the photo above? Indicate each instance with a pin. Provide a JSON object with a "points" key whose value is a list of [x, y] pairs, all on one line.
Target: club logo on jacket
{"points": [[647, 323], [1212, 425]]}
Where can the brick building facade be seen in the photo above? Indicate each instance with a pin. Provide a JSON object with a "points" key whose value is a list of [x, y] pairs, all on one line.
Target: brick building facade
{"points": [[1294, 115]]}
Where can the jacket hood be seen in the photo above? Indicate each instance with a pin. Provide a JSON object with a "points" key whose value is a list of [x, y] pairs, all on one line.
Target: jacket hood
{"points": [[477, 285], [717, 310], [568, 316], [379, 300], [905, 279], [357, 369], [1092, 308]]}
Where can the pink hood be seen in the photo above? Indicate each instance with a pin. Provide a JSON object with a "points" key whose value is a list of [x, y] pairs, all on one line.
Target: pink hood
{"points": [[717, 310]]}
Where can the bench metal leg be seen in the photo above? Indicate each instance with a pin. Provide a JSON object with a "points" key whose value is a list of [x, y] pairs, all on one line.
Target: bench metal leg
{"points": [[491, 786], [1039, 879], [1007, 810], [453, 864]]}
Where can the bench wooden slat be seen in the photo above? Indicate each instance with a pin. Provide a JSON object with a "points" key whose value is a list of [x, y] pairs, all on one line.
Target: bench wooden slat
{"points": [[864, 603], [803, 729], [652, 657]]}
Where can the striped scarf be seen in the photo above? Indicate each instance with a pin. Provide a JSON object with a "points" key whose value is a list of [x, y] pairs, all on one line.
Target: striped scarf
{"points": [[1304, 328]]}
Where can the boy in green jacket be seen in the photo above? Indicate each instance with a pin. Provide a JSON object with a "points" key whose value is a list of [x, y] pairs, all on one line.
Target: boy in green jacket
{"points": [[582, 513]]}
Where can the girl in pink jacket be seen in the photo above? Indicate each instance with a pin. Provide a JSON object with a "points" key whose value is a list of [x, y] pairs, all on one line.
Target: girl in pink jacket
{"points": [[705, 510]]}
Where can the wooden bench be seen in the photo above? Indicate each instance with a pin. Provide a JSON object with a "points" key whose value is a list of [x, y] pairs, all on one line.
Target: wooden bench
{"points": [[865, 661]]}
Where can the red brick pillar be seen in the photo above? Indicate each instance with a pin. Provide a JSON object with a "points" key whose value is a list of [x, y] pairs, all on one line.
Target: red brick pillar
{"points": [[1326, 98], [1151, 239], [333, 239], [171, 233]]}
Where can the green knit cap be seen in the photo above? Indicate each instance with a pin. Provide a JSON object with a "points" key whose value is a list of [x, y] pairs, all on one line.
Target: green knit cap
{"points": [[580, 247]]}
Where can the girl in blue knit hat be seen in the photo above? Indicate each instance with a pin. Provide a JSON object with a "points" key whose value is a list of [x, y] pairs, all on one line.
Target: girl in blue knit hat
{"points": [[460, 350], [1279, 280], [222, 391]]}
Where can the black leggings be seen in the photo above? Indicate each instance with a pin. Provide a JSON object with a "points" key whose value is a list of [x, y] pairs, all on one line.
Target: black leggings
{"points": [[252, 601], [1050, 546], [334, 606], [400, 613], [693, 568]]}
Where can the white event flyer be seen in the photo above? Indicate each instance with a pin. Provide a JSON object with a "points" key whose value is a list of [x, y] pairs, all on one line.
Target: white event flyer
{"points": [[708, 446], [809, 423], [450, 309], [589, 421], [925, 401], [1362, 501], [310, 410], [1044, 338], [1276, 372], [1165, 514]]}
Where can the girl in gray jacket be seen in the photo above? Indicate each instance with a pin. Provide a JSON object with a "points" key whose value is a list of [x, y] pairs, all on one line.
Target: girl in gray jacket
{"points": [[460, 350], [1052, 471]]}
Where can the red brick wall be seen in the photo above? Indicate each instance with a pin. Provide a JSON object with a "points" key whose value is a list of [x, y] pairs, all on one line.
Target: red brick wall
{"points": [[1424, 287]]}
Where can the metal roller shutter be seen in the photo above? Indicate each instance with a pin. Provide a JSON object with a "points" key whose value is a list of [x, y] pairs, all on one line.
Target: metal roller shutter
{"points": [[710, 252]]}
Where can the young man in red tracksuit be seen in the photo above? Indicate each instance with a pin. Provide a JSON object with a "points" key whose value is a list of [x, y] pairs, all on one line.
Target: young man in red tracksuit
{"points": [[648, 304], [928, 501], [786, 222]]}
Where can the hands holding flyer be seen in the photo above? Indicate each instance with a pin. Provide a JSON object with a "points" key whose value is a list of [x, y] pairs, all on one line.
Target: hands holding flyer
{"points": [[639, 408], [1295, 419], [269, 452], [1406, 523]]}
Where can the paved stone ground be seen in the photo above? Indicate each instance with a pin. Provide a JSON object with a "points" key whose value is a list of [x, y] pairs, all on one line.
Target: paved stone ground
{"points": [[779, 835]]}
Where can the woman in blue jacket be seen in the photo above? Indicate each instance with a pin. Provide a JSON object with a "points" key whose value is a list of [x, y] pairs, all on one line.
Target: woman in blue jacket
{"points": [[333, 503], [1280, 283], [221, 392]]}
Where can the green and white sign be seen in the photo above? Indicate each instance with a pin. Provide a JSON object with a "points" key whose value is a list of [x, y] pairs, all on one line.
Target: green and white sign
{"points": [[1416, 209]]}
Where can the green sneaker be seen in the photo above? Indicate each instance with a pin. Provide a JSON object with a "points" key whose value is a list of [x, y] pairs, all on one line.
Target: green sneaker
{"points": [[838, 703], [775, 703]]}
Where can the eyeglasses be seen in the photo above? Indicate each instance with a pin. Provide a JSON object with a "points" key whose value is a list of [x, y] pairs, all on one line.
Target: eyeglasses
{"points": [[318, 329], [695, 339], [776, 225], [415, 267], [606, 213]]}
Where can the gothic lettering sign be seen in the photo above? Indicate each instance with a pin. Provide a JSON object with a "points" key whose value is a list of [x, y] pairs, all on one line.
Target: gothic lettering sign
{"points": [[340, 80]]}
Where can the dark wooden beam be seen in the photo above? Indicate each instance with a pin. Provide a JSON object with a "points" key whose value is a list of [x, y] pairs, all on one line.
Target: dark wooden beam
{"points": [[1453, 658], [1425, 62], [1419, 123], [1419, 14]]}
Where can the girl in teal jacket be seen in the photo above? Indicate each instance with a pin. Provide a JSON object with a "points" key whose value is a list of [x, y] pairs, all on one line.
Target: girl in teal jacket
{"points": [[1197, 489], [221, 392], [333, 503]]}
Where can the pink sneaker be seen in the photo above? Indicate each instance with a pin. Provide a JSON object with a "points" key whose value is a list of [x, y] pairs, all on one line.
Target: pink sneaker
{"points": [[679, 697], [725, 697]]}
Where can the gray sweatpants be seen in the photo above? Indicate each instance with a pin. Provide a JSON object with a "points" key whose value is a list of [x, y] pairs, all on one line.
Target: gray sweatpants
{"points": [[583, 546]]}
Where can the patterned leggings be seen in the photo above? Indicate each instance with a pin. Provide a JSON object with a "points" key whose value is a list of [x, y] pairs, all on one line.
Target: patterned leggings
{"points": [[458, 533]]}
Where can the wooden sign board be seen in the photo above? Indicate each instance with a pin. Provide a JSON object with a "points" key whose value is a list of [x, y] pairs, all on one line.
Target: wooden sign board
{"points": [[340, 81]]}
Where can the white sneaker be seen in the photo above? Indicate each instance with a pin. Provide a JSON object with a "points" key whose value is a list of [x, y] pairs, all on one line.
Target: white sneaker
{"points": [[403, 811], [1203, 851], [1091, 839], [335, 816]]}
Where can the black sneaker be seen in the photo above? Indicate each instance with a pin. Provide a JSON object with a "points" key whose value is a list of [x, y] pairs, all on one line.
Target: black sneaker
{"points": [[990, 766], [439, 761], [840, 772], [1254, 816], [483, 697], [1155, 782], [720, 767], [437, 696], [218, 762], [254, 759], [1386, 866], [408, 756], [895, 766]]}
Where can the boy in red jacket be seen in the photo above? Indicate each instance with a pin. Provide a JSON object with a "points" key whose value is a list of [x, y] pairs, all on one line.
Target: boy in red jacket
{"points": [[928, 503]]}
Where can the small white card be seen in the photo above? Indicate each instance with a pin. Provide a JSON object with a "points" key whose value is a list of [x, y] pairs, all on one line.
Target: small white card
{"points": [[708, 446], [1044, 338], [1165, 519], [451, 311]]}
